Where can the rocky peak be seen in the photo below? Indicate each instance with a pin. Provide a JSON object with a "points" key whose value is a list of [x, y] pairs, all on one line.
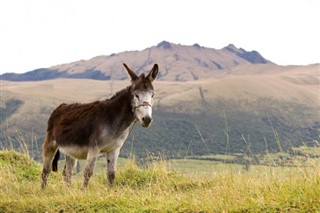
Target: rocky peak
{"points": [[164, 45], [253, 57], [196, 45], [231, 48]]}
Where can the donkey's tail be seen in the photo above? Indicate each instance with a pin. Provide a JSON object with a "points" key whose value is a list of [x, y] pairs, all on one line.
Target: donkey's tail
{"points": [[55, 161]]}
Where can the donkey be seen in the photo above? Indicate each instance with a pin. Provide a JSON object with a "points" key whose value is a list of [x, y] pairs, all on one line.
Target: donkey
{"points": [[82, 131]]}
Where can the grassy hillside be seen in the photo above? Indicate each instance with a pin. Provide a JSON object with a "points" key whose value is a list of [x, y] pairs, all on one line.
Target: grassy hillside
{"points": [[160, 187], [264, 107]]}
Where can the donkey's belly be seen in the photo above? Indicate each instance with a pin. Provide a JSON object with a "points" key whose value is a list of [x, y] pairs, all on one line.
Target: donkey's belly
{"points": [[75, 151], [79, 152]]}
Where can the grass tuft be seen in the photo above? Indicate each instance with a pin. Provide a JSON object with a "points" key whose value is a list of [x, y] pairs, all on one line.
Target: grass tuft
{"points": [[24, 168]]}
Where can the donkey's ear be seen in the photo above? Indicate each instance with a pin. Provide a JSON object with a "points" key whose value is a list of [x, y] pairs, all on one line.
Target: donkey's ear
{"points": [[153, 73], [132, 75]]}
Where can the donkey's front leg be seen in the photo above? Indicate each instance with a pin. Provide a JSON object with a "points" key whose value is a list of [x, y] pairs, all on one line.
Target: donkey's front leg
{"points": [[112, 158]]}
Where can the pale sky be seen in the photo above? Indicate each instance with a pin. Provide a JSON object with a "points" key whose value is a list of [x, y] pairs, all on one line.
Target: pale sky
{"points": [[44, 33]]}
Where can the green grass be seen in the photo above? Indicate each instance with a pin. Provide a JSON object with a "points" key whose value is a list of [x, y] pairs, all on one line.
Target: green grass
{"points": [[174, 186]]}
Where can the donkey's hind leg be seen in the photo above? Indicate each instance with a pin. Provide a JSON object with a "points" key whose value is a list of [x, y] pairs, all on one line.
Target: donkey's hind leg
{"points": [[67, 171], [88, 171], [49, 150]]}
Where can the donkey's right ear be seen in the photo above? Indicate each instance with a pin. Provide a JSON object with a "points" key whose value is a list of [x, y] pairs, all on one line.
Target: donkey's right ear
{"points": [[132, 75]]}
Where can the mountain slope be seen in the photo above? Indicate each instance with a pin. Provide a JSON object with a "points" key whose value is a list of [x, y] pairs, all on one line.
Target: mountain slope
{"points": [[279, 103], [178, 63]]}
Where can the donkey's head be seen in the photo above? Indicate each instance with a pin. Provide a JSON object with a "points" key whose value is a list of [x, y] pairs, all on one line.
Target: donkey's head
{"points": [[142, 94]]}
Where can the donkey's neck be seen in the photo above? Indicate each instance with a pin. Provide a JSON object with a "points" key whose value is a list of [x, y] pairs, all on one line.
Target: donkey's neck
{"points": [[120, 110]]}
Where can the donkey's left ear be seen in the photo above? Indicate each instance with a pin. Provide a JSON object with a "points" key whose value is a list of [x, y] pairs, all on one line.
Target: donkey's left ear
{"points": [[131, 74], [153, 73]]}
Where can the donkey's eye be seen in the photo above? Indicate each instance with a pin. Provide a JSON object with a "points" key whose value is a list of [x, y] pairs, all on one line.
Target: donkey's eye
{"points": [[152, 95], [136, 96]]}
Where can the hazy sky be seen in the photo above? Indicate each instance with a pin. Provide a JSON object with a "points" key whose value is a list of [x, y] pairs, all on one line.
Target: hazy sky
{"points": [[43, 33]]}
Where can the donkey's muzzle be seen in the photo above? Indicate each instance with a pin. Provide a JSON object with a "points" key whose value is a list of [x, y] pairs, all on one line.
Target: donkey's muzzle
{"points": [[146, 121]]}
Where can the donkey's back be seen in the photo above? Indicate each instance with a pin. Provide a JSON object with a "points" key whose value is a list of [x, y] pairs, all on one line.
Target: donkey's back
{"points": [[73, 124]]}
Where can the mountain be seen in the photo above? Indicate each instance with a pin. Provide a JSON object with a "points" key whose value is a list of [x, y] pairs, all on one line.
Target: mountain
{"points": [[177, 63]]}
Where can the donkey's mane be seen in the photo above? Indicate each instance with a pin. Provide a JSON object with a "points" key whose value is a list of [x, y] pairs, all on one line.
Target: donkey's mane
{"points": [[118, 94]]}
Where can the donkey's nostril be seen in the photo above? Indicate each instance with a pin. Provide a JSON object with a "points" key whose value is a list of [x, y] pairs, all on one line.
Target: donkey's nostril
{"points": [[146, 121]]}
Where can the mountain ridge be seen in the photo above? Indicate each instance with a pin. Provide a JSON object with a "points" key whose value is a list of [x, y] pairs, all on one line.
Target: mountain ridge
{"points": [[178, 63]]}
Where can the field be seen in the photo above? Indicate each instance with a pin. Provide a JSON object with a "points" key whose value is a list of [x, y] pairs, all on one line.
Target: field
{"points": [[185, 185]]}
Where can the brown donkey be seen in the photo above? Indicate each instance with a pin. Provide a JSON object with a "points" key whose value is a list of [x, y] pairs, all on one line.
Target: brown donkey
{"points": [[82, 131]]}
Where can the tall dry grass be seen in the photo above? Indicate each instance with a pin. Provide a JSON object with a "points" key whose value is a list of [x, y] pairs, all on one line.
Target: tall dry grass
{"points": [[159, 187]]}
